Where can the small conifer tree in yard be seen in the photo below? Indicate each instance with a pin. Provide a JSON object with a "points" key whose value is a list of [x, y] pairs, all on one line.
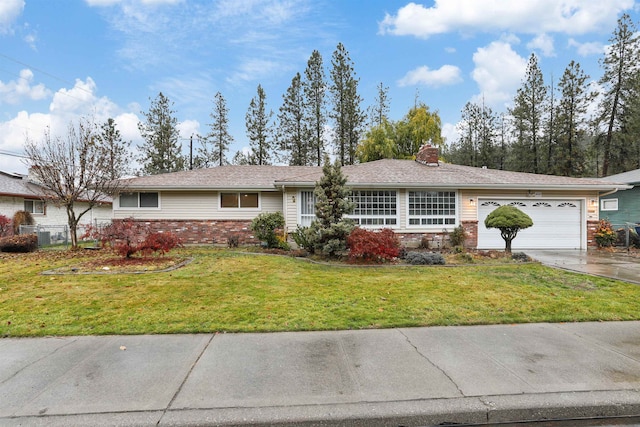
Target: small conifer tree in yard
{"points": [[509, 220], [329, 231]]}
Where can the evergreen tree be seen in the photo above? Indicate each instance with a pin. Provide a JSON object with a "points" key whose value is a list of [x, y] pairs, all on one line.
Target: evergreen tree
{"points": [[314, 86], [379, 111], [216, 144], [346, 113], [620, 65], [572, 122], [119, 157], [329, 231], [293, 133], [240, 158], [161, 151], [528, 113], [478, 131], [628, 157], [259, 130]]}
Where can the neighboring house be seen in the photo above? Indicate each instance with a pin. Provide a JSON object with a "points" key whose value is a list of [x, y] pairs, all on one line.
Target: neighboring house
{"points": [[18, 192], [414, 198], [622, 207]]}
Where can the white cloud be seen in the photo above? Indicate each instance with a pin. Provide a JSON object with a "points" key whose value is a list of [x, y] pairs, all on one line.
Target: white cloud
{"points": [[10, 10], [67, 106], [498, 73], [542, 43], [587, 49], [524, 16], [444, 76], [449, 133], [188, 128], [15, 91]]}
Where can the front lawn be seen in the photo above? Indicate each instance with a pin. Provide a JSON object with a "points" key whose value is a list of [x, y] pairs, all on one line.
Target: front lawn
{"points": [[229, 291]]}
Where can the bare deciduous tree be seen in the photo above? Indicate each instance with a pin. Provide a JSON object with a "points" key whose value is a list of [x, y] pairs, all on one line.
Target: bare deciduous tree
{"points": [[73, 169]]}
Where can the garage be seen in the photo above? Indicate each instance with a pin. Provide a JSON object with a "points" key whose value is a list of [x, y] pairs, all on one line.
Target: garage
{"points": [[557, 224]]}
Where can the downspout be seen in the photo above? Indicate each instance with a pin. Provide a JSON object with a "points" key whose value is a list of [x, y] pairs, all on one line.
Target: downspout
{"points": [[284, 211], [615, 190]]}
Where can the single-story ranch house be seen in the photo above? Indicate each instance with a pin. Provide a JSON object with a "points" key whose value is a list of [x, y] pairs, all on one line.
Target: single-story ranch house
{"points": [[417, 198], [19, 192]]}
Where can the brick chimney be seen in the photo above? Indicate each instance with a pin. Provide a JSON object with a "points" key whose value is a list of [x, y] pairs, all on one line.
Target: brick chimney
{"points": [[427, 155]]}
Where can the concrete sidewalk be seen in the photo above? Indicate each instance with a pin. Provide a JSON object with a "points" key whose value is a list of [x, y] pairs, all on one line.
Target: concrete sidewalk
{"points": [[409, 377]]}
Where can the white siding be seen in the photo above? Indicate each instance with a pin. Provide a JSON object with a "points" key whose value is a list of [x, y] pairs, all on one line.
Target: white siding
{"points": [[200, 205], [53, 215]]}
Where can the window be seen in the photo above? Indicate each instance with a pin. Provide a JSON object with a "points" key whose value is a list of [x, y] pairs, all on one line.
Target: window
{"points": [[609, 204], [34, 206], [432, 208], [139, 200], [375, 207], [307, 208], [239, 200]]}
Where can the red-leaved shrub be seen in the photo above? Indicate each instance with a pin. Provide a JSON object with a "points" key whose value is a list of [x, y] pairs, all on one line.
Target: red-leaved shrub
{"points": [[161, 242], [128, 237], [373, 246], [5, 225]]}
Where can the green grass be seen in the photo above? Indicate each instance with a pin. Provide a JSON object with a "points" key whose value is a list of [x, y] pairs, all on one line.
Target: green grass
{"points": [[226, 291]]}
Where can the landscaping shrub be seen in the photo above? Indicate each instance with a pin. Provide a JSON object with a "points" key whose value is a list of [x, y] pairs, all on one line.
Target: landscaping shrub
{"points": [[520, 256], [373, 246], [424, 242], [424, 258], [127, 237], [160, 243], [233, 241], [19, 243], [22, 218], [5, 225], [604, 235], [265, 226], [458, 236], [302, 238]]}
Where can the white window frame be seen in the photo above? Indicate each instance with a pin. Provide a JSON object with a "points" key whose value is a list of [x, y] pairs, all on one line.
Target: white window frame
{"points": [[390, 220], [306, 218], [605, 202], [239, 194], [33, 203], [138, 204], [444, 217]]}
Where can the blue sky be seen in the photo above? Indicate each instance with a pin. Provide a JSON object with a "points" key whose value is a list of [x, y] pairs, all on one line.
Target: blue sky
{"points": [[65, 59]]}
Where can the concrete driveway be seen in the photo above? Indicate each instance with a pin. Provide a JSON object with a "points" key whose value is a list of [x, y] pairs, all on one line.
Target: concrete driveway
{"points": [[619, 266]]}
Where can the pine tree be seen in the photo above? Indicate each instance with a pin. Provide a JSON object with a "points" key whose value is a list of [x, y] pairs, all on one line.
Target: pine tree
{"points": [[259, 130], [571, 121], [119, 155], [219, 137], [161, 151], [314, 86], [528, 113], [293, 133], [346, 113], [620, 65], [329, 231], [379, 111]]}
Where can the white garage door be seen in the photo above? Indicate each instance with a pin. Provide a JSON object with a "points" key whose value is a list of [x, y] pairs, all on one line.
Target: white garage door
{"points": [[557, 224]]}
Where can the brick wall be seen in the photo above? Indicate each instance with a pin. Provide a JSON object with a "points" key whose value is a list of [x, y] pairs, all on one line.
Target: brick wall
{"points": [[592, 225], [205, 232]]}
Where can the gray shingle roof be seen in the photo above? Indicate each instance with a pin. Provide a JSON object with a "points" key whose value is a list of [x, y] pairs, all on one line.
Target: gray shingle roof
{"points": [[381, 173], [630, 177], [17, 185]]}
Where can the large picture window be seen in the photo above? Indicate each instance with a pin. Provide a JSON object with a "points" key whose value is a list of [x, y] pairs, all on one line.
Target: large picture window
{"points": [[239, 200], [139, 200], [431, 208], [375, 207], [34, 206]]}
